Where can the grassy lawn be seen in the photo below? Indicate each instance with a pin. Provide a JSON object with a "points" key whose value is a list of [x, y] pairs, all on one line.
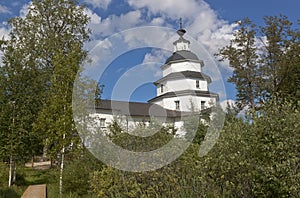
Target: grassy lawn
{"points": [[27, 176]]}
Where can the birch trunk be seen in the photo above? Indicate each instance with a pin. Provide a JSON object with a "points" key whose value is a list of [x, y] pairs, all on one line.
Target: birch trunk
{"points": [[15, 173], [61, 168], [10, 171]]}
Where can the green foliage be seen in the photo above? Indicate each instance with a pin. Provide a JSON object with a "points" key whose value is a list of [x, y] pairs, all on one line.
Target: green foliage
{"points": [[166, 181], [3, 174], [40, 61], [195, 129], [63, 44], [264, 61], [252, 158], [77, 173], [142, 138], [258, 159], [12, 192], [115, 128], [274, 63], [242, 57], [278, 151], [169, 181]]}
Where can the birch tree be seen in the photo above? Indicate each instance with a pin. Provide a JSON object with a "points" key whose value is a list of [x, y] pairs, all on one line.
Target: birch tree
{"points": [[41, 58]]}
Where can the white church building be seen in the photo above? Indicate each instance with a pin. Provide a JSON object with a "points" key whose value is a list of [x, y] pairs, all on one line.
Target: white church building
{"points": [[182, 89]]}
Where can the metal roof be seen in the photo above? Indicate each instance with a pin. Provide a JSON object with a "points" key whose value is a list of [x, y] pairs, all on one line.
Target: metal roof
{"points": [[182, 55], [137, 109], [185, 75], [185, 92]]}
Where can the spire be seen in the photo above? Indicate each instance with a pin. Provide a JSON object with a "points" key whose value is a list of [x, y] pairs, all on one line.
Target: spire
{"points": [[181, 43], [181, 31], [180, 24]]}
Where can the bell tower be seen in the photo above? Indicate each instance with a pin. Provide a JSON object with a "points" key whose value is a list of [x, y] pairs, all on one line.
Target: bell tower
{"points": [[183, 84]]}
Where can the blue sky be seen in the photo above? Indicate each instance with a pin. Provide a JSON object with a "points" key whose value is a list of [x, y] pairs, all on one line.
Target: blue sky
{"points": [[209, 22]]}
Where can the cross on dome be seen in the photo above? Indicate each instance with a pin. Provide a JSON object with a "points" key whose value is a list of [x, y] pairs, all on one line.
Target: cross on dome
{"points": [[181, 31], [181, 43]]}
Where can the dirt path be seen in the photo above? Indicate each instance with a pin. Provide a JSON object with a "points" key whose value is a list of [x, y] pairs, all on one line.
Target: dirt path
{"points": [[35, 191], [39, 165]]}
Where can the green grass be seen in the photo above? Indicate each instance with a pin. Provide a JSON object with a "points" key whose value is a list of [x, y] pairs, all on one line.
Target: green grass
{"points": [[28, 176], [25, 177]]}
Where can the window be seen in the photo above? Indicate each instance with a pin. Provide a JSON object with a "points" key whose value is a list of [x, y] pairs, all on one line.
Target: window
{"points": [[161, 88], [102, 122], [197, 84], [202, 105], [177, 105]]}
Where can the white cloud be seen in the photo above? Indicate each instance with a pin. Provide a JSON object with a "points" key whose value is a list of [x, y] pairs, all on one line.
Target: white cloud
{"points": [[158, 21], [154, 60], [24, 10], [98, 3], [113, 24], [4, 10], [200, 21], [172, 9], [157, 56], [225, 103], [4, 33], [94, 18]]}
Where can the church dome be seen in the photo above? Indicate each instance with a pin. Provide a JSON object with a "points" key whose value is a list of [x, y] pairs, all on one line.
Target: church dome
{"points": [[182, 55]]}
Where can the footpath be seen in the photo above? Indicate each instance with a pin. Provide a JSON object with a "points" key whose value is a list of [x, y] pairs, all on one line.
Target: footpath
{"points": [[35, 191], [40, 190]]}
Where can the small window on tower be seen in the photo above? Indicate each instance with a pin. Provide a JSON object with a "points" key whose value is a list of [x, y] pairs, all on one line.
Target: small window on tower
{"points": [[177, 105], [197, 84], [202, 105], [161, 88]]}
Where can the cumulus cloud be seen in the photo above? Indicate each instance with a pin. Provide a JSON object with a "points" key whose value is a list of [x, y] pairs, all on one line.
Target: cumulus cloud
{"points": [[199, 19], [4, 32], [98, 3], [170, 8], [104, 27], [158, 21], [4, 10], [154, 60], [24, 10], [224, 104]]}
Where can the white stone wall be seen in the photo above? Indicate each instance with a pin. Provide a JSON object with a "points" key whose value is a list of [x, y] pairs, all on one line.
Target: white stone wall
{"points": [[186, 102], [184, 84], [181, 46], [180, 85], [181, 66]]}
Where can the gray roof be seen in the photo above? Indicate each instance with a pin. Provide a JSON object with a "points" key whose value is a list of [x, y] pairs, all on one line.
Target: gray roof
{"points": [[137, 109], [186, 92], [185, 75], [182, 55]]}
